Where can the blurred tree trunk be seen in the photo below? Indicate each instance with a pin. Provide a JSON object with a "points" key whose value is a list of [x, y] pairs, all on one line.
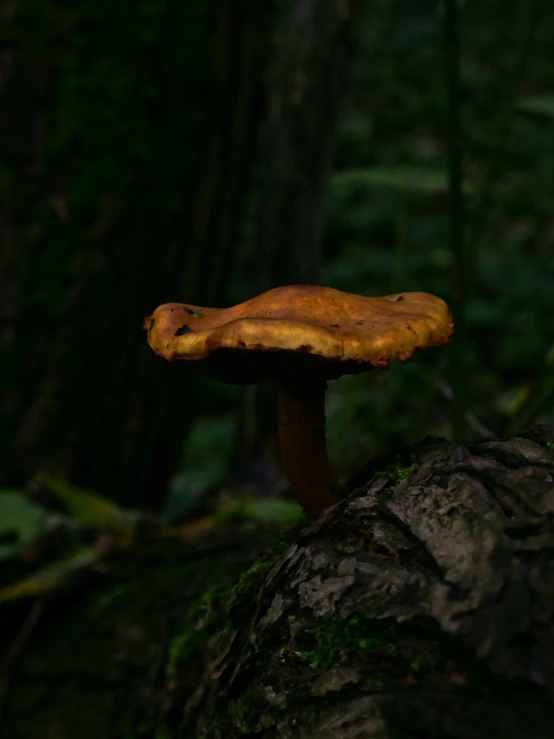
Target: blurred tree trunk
{"points": [[306, 85], [127, 135], [307, 79]]}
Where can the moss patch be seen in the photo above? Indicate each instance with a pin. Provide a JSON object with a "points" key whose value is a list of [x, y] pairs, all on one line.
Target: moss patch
{"points": [[194, 630], [210, 615], [399, 469], [344, 640], [422, 665], [339, 637]]}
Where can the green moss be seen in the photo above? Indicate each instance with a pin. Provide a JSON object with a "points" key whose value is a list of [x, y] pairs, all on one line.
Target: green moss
{"points": [[241, 709], [194, 631], [399, 470], [211, 614], [341, 636], [421, 664], [359, 635], [252, 578], [182, 646], [550, 445]]}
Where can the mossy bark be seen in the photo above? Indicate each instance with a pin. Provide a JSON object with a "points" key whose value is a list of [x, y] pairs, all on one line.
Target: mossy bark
{"points": [[420, 606]]}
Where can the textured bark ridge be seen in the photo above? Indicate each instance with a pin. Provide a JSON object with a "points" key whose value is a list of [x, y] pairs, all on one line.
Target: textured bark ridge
{"points": [[421, 606]]}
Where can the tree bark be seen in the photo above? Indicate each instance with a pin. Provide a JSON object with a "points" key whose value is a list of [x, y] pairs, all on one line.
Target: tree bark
{"points": [[420, 606], [307, 82], [127, 138]]}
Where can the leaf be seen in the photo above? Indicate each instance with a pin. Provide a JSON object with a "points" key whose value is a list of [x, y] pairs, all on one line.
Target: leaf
{"points": [[190, 530], [282, 512], [89, 508], [423, 180], [20, 522], [541, 105], [53, 577]]}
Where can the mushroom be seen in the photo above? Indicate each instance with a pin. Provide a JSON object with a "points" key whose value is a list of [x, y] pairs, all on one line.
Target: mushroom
{"points": [[301, 336]]}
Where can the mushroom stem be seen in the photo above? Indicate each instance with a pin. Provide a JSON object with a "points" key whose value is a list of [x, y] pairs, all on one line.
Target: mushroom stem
{"points": [[301, 420]]}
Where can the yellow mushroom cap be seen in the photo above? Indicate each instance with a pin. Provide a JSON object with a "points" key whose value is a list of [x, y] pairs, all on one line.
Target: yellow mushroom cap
{"points": [[289, 328]]}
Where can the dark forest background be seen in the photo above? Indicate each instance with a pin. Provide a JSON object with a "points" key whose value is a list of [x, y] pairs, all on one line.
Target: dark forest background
{"points": [[205, 151]]}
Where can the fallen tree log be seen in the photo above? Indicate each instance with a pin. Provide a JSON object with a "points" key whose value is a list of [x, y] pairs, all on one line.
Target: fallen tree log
{"points": [[420, 606]]}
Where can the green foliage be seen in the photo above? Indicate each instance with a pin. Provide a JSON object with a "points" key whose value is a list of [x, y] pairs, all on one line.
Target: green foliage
{"points": [[269, 511], [413, 179], [205, 461], [20, 522], [541, 105], [280, 512], [53, 577], [386, 227], [88, 508]]}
